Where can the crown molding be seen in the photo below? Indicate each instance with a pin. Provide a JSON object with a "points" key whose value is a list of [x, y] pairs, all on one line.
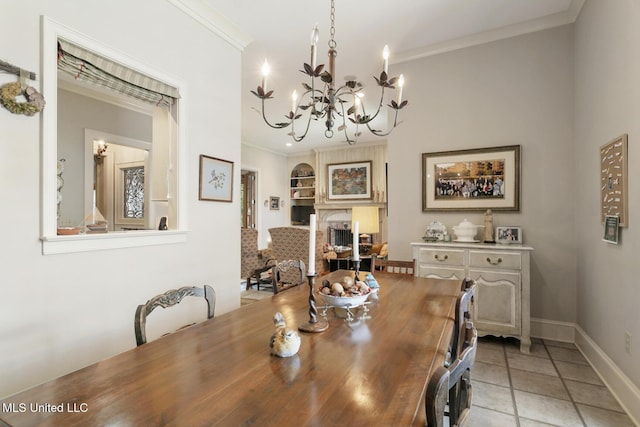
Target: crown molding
{"points": [[265, 149], [546, 22], [218, 24]]}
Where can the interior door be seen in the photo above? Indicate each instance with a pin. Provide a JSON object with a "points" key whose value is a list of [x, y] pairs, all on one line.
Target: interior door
{"points": [[248, 198]]}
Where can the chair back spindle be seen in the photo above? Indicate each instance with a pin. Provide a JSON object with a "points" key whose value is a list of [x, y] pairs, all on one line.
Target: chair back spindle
{"points": [[287, 274]]}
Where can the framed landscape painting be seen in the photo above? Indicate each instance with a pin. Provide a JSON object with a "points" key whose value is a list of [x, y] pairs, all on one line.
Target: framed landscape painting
{"points": [[476, 179], [216, 179], [349, 181]]}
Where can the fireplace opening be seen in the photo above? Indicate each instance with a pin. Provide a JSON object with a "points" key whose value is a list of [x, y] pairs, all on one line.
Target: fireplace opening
{"points": [[339, 234]]}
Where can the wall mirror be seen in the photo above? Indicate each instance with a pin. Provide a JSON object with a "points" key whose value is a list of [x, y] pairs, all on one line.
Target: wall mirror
{"points": [[135, 181]]}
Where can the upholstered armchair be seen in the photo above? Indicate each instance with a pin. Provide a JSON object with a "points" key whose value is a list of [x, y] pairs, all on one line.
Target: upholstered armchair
{"points": [[292, 243], [252, 258]]}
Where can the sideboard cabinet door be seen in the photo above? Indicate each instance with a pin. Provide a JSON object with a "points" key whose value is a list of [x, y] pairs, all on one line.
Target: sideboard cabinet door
{"points": [[497, 305]]}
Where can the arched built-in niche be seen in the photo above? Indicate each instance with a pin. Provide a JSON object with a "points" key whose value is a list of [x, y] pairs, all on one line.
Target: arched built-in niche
{"points": [[302, 193]]}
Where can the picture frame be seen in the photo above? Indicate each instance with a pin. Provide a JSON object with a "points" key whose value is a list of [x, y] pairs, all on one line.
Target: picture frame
{"points": [[509, 235], [472, 180], [274, 203], [349, 181], [215, 179], [611, 229], [613, 180]]}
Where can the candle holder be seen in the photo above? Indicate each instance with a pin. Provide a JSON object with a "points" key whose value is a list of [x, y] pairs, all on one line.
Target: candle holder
{"points": [[314, 324], [356, 267]]}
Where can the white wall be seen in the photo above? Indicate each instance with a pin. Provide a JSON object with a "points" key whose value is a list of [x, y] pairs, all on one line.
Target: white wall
{"points": [[513, 91], [607, 100], [77, 113], [273, 180], [61, 312]]}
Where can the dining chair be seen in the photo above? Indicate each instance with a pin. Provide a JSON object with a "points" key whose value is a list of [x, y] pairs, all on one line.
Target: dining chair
{"points": [[393, 266], [449, 391], [169, 299], [462, 316], [287, 274]]}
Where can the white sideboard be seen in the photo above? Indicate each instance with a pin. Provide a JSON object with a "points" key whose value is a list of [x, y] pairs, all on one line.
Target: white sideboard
{"points": [[501, 272]]}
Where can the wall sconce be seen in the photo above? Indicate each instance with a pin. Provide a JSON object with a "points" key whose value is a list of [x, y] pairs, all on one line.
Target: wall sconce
{"points": [[101, 149]]}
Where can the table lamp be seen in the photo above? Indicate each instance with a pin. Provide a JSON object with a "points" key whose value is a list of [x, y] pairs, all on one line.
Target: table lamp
{"points": [[368, 222]]}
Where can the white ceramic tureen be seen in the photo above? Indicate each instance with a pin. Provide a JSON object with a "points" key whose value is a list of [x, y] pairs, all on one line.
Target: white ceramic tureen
{"points": [[466, 231]]}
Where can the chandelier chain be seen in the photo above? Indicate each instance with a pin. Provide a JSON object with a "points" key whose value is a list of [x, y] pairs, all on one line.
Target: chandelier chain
{"points": [[332, 43]]}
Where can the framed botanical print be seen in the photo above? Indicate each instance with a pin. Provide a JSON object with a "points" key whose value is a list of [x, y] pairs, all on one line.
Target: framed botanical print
{"points": [[216, 179]]}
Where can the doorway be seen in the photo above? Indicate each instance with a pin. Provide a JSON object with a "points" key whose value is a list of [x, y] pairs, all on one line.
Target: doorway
{"points": [[248, 194]]}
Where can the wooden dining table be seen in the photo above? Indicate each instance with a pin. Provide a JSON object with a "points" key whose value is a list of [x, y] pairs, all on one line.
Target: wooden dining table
{"points": [[368, 371]]}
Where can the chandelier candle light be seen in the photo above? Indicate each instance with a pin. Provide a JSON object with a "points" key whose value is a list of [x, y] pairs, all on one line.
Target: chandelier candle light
{"points": [[330, 103]]}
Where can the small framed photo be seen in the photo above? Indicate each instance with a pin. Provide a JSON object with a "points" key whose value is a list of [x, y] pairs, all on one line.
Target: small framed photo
{"points": [[509, 235], [611, 224], [216, 179], [274, 203]]}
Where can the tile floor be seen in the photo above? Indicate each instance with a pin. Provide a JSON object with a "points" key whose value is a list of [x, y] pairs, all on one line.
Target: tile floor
{"points": [[552, 386]]}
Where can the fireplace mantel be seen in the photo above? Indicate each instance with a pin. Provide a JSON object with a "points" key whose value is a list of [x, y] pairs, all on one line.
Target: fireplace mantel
{"points": [[346, 206], [326, 211]]}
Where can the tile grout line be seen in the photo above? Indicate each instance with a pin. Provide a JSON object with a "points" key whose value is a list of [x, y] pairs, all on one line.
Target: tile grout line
{"points": [[511, 389], [564, 384]]}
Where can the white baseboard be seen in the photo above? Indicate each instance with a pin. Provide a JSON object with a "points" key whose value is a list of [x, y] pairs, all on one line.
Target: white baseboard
{"points": [[553, 330], [627, 393]]}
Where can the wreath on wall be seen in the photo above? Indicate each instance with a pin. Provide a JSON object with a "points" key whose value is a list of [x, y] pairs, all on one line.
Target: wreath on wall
{"points": [[34, 104]]}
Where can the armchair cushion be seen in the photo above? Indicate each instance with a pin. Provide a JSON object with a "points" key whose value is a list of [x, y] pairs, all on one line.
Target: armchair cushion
{"points": [[251, 258], [292, 243]]}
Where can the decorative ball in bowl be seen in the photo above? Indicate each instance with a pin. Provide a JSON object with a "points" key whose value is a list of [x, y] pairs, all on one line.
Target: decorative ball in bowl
{"points": [[345, 293]]}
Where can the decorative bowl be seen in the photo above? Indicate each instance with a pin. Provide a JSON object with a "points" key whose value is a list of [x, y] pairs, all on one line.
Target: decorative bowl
{"points": [[345, 302], [466, 231], [68, 231]]}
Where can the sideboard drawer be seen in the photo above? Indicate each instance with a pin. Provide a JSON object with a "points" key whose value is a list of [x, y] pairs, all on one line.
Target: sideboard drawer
{"points": [[437, 272], [441, 256], [492, 259]]}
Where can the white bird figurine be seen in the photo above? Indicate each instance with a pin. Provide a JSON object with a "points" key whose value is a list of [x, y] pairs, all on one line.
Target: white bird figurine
{"points": [[285, 342]]}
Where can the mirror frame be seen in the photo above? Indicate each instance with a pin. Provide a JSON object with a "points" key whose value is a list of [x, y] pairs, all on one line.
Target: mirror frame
{"points": [[51, 242]]}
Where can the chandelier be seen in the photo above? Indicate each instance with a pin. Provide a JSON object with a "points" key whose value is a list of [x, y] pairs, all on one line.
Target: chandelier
{"points": [[330, 104]]}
